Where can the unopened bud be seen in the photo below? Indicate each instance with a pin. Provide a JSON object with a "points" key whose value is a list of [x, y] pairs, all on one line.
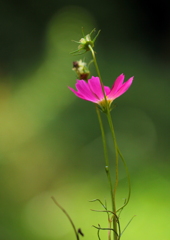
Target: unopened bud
{"points": [[86, 43], [81, 70]]}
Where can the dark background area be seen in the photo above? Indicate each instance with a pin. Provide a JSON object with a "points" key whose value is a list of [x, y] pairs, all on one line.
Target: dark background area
{"points": [[24, 23]]}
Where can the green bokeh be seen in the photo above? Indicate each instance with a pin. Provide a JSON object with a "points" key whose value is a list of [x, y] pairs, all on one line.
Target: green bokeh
{"points": [[50, 143]]}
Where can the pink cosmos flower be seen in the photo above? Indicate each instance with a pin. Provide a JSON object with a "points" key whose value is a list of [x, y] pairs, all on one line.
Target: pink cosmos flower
{"points": [[92, 90]]}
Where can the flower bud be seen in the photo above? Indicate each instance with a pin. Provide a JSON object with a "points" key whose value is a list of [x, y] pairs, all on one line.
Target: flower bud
{"points": [[81, 70], [86, 43]]}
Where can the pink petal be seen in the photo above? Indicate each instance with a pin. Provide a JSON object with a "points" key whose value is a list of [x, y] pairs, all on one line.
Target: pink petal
{"points": [[95, 86], [118, 83], [76, 93], [85, 91], [92, 90], [107, 90], [125, 86]]}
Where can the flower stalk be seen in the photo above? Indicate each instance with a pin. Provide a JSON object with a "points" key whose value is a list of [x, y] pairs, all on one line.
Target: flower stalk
{"points": [[94, 90], [117, 154], [107, 167]]}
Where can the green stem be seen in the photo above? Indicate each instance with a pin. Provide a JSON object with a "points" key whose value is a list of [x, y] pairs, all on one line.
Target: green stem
{"points": [[116, 168], [98, 73], [113, 191], [69, 218], [107, 168], [128, 179], [116, 151], [117, 154]]}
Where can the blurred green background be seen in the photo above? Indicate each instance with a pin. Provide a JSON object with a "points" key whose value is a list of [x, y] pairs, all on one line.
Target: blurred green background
{"points": [[50, 142]]}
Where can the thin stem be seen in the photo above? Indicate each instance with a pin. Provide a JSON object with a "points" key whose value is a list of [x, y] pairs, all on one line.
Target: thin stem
{"points": [[67, 215], [98, 73], [107, 168], [103, 138], [108, 216], [113, 191], [116, 168], [106, 229], [128, 178], [116, 151], [128, 224], [108, 116]]}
